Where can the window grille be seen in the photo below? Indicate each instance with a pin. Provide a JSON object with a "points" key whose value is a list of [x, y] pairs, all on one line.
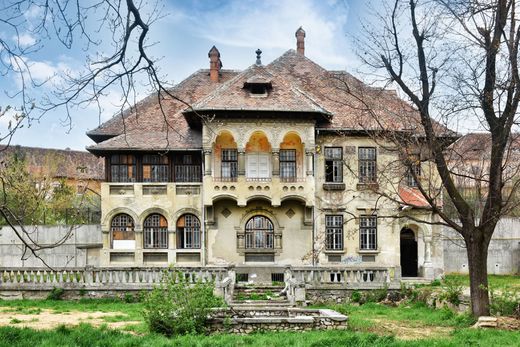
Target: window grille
{"points": [[122, 230], [259, 233], [413, 168], [188, 232], [155, 231]]}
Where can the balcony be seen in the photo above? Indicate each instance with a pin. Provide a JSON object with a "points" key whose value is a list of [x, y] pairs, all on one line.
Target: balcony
{"points": [[243, 189]]}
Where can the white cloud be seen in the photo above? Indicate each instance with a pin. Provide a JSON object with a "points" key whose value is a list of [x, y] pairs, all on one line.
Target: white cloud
{"points": [[24, 40], [271, 25]]}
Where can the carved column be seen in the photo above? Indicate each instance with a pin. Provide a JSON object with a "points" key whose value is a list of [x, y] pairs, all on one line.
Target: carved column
{"points": [[428, 266], [207, 162], [275, 161], [241, 162], [310, 159]]}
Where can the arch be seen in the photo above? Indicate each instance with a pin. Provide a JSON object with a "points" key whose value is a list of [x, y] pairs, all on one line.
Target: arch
{"points": [[256, 131], [257, 142], [122, 232], [291, 156], [155, 210], [298, 198], [118, 210], [263, 212], [155, 231], [188, 232], [408, 255], [186, 210], [259, 232], [258, 156], [225, 155], [221, 197], [259, 197]]}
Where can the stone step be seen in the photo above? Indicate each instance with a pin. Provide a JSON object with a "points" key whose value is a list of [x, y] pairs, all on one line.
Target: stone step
{"points": [[260, 303]]}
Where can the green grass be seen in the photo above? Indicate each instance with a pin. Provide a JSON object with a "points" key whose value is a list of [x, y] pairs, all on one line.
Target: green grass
{"points": [[85, 335], [497, 281], [361, 317], [361, 332]]}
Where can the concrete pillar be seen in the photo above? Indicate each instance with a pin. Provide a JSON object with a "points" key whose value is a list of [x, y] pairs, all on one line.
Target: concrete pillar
{"points": [[310, 159], [275, 161], [207, 162], [428, 267], [241, 162]]}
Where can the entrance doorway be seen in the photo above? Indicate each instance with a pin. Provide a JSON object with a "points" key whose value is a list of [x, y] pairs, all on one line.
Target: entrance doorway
{"points": [[408, 253]]}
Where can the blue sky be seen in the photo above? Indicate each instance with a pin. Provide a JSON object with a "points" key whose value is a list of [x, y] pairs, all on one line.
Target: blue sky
{"points": [[183, 38]]}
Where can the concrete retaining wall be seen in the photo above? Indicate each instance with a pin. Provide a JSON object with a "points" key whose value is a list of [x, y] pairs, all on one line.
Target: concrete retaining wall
{"points": [[504, 249], [80, 249]]}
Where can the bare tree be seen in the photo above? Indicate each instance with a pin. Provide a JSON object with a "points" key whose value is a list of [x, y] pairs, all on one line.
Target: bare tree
{"points": [[457, 64], [115, 38]]}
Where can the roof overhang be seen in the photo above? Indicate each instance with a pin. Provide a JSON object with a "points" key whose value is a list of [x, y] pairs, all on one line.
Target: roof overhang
{"points": [[193, 116]]}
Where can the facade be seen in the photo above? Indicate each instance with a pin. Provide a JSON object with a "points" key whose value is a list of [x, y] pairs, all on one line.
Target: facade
{"points": [[269, 167], [79, 169]]}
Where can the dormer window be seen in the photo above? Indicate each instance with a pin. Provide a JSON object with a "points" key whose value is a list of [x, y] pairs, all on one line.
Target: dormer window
{"points": [[258, 89], [258, 86]]}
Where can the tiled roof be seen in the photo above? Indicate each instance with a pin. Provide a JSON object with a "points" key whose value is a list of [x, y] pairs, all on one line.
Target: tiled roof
{"points": [[66, 163], [298, 85], [146, 116], [477, 146], [284, 96]]}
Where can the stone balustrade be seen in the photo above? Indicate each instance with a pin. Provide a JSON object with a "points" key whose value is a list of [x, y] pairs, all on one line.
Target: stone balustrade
{"points": [[100, 278], [347, 277]]}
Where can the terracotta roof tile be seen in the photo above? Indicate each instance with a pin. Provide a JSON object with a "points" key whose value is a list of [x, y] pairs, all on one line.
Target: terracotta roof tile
{"points": [[298, 85], [69, 164]]}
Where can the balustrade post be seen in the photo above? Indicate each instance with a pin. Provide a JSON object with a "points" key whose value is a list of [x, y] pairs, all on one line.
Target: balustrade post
{"points": [[207, 162]]}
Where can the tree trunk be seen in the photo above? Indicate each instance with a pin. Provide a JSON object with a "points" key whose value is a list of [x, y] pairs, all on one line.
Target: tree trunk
{"points": [[477, 250]]}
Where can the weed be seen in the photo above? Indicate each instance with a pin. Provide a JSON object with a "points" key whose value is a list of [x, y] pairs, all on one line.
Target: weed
{"points": [[56, 293]]}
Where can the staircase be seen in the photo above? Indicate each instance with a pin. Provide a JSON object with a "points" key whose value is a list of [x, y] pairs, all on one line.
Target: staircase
{"points": [[258, 295]]}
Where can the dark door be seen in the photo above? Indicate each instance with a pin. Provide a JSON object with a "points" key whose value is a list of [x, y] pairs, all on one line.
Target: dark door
{"points": [[408, 253]]}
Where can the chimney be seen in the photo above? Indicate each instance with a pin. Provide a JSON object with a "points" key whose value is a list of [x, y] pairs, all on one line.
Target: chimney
{"points": [[300, 41], [214, 64]]}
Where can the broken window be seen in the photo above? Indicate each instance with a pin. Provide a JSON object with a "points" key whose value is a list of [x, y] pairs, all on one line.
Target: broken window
{"points": [[155, 168], [122, 232], [188, 232], [122, 168], [155, 231], [333, 164]]}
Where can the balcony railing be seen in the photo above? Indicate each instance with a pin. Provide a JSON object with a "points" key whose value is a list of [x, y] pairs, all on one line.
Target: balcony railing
{"points": [[188, 173]]}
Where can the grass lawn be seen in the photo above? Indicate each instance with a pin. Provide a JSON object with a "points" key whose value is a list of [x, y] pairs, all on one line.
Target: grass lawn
{"points": [[370, 325], [495, 281]]}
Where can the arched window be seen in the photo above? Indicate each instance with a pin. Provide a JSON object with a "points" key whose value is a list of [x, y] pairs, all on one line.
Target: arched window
{"points": [[259, 233], [155, 231], [188, 231], [122, 232]]}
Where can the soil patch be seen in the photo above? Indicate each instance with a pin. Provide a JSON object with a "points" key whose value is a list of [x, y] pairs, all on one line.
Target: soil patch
{"points": [[48, 319], [408, 330]]}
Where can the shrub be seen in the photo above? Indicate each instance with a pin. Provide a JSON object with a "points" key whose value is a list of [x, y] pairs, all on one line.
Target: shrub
{"points": [[56, 293], [452, 290], [355, 296], [505, 301], [377, 295], [178, 307]]}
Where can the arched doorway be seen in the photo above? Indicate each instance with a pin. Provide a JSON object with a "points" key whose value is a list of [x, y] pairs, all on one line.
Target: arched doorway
{"points": [[408, 253]]}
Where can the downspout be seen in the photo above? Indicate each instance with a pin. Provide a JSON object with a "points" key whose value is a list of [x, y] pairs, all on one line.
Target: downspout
{"points": [[203, 214], [314, 208]]}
